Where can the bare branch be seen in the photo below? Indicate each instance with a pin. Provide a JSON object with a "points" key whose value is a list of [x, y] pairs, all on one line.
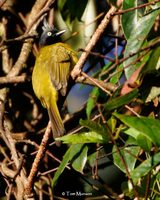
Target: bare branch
{"points": [[37, 160], [15, 79], [77, 69]]}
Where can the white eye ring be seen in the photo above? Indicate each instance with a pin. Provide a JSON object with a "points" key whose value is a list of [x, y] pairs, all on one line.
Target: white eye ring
{"points": [[49, 33]]}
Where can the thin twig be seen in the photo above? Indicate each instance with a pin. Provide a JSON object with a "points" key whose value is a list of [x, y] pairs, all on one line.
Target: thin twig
{"points": [[43, 8], [137, 7], [96, 83], [20, 38], [98, 55], [107, 87], [147, 48]]}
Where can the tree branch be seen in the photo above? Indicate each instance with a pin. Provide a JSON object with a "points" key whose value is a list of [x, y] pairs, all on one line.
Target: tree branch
{"points": [[77, 69], [37, 160]]}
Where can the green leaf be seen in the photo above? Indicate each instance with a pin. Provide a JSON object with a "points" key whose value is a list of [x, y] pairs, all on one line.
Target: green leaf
{"points": [[129, 155], [144, 142], [154, 92], [61, 4], [144, 168], [69, 155], [149, 127], [92, 101], [152, 63], [140, 138], [86, 137], [117, 102], [129, 19], [97, 134], [94, 126], [92, 159], [112, 122], [79, 163], [132, 132], [115, 78], [105, 67], [137, 36]]}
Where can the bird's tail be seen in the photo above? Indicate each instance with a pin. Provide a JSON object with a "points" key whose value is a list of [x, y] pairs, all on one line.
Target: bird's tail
{"points": [[56, 121]]}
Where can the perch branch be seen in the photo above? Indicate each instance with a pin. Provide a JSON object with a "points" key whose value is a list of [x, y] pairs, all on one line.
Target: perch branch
{"points": [[107, 18]]}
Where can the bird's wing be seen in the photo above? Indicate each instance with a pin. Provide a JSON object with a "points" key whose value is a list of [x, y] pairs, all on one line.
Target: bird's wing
{"points": [[60, 68]]}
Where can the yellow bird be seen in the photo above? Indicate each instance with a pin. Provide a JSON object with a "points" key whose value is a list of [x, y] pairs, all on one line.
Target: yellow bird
{"points": [[51, 74]]}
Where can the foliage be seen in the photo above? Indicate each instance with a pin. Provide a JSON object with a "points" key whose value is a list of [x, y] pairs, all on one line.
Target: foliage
{"points": [[115, 133]]}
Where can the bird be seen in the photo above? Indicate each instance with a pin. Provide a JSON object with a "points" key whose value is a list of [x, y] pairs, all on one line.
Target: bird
{"points": [[51, 73]]}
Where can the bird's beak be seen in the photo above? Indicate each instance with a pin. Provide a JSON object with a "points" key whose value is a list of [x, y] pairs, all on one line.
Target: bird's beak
{"points": [[60, 32]]}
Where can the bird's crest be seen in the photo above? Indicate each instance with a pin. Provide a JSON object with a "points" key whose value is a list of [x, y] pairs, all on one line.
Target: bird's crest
{"points": [[46, 25]]}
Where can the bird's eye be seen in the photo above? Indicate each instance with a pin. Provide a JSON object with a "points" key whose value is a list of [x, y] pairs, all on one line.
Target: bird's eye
{"points": [[49, 33]]}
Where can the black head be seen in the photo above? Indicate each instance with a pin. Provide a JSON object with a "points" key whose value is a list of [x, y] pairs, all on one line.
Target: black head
{"points": [[50, 34]]}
